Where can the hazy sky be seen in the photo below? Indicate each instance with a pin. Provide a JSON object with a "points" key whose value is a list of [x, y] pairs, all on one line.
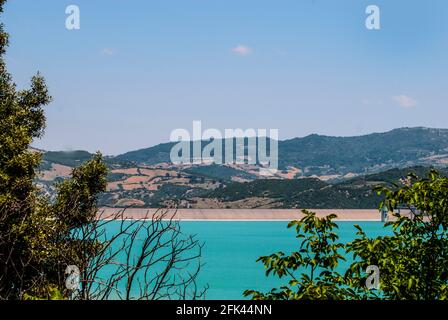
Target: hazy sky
{"points": [[136, 70]]}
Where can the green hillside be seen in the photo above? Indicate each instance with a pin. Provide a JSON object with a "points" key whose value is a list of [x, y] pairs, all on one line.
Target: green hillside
{"points": [[405, 146], [324, 155], [67, 158], [218, 172], [313, 193], [270, 188]]}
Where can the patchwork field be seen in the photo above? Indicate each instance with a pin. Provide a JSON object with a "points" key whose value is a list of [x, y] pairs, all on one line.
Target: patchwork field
{"points": [[137, 180]]}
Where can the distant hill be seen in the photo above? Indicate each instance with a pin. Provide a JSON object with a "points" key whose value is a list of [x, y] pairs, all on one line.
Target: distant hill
{"points": [[325, 155], [269, 188], [305, 193], [315, 172], [67, 158], [399, 147], [219, 172], [153, 155]]}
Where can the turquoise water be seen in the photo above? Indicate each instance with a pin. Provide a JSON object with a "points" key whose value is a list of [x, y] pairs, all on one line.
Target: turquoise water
{"points": [[231, 249]]}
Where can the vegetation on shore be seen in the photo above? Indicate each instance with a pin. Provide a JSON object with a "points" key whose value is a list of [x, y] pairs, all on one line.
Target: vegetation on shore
{"points": [[42, 238], [42, 235], [411, 262]]}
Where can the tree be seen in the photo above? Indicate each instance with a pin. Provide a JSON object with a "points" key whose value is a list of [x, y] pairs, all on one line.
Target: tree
{"points": [[145, 259], [23, 219], [412, 260], [40, 237], [311, 269]]}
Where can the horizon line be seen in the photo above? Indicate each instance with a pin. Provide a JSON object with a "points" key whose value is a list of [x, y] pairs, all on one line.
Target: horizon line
{"points": [[279, 140]]}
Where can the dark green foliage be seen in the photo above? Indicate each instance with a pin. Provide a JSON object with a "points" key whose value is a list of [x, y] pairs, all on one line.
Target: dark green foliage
{"points": [[45, 165], [219, 172], [355, 154], [392, 176], [413, 260], [310, 269], [271, 188], [329, 155], [21, 120], [77, 197], [111, 177], [157, 154], [67, 158], [35, 234], [167, 192], [310, 193]]}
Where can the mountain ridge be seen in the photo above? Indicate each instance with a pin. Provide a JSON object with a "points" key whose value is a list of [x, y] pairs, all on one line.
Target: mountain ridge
{"points": [[315, 171], [373, 152]]}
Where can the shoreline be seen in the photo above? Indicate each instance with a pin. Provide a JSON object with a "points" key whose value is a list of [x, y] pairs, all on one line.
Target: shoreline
{"points": [[241, 215]]}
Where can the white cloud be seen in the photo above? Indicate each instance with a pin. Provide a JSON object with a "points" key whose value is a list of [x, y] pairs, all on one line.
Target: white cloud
{"points": [[108, 51], [404, 101], [242, 50]]}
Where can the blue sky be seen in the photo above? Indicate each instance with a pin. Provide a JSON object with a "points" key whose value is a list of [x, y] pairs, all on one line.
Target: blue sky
{"points": [[138, 69]]}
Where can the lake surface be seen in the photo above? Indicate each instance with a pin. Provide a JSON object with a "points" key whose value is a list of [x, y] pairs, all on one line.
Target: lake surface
{"points": [[232, 248]]}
